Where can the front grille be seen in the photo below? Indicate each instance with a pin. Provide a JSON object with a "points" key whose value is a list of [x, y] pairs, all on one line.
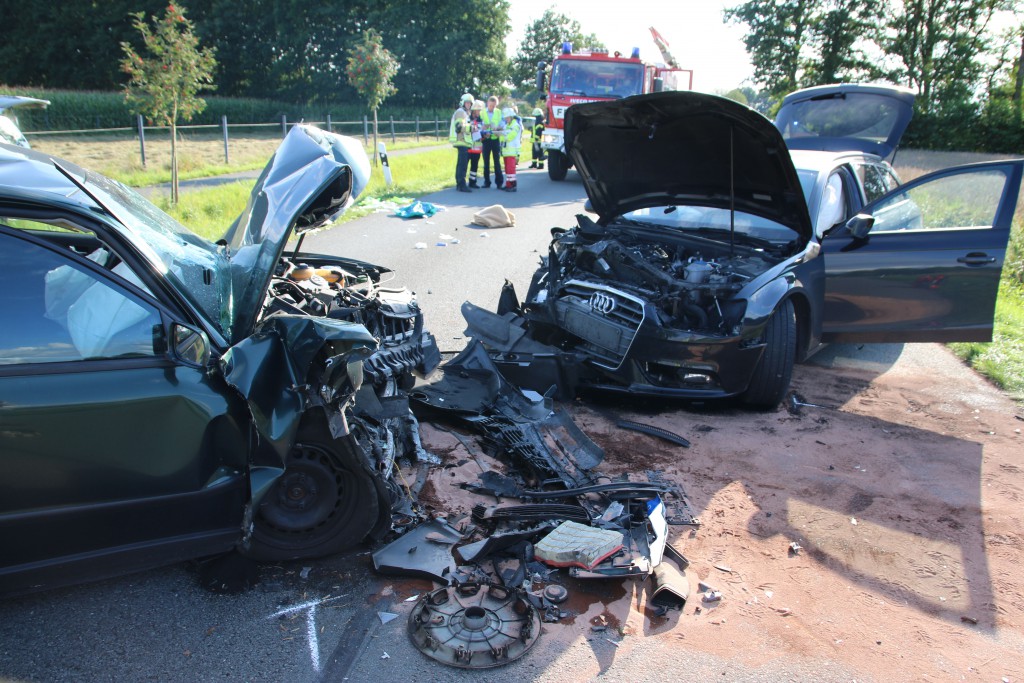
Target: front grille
{"points": [[606, 319]]}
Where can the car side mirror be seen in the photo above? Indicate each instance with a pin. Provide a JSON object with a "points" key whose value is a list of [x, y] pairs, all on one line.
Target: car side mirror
{"points": [[190, 346], [588, 207], [860, 225]]}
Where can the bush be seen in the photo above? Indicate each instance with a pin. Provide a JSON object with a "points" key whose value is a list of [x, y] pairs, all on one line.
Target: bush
{"points": [[82, 109]]}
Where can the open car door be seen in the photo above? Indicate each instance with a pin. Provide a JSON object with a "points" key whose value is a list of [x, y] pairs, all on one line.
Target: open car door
{"points": [[922, 263]]}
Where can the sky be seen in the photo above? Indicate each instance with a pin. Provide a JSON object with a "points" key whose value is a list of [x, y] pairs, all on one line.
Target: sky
{"points": [[697, 36]]}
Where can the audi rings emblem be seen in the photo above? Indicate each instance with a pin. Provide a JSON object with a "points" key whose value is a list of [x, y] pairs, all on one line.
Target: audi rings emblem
{"points": [[601, 303]]}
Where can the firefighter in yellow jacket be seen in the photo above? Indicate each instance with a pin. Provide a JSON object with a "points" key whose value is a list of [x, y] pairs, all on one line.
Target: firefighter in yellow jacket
{"points": [[538, 132], [461, 137], [511, 141]]}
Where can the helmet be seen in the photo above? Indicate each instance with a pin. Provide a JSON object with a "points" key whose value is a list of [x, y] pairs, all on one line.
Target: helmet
{"points": [[507, 113], [477, 105], [466, 98], [538, 112]]}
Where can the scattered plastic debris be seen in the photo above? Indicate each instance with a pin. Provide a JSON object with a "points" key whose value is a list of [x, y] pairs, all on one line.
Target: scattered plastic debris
{"points": [[723, 568], [304, 574], [712, 596], [385, 656], [556, 594], [795, 548], [651, 430], [420, 245], [441, 244], [445, 236], [969, 620], [484, 234], [853, 521], [386, 617]]}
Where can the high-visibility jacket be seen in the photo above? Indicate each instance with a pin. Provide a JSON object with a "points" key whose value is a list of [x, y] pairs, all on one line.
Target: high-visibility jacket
{"points": [[459, 132], [475, 126], [492, 121], [512, 138]]}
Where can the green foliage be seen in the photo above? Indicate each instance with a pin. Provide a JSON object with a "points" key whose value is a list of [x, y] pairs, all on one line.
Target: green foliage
{"points": [[165, 79], [799, 43], [371, 68], [940, 45], [78, 109], [543, 40], [288, 50]]}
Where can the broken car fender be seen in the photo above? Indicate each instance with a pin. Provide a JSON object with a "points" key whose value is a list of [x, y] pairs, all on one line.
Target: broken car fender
{"points": [[271, 369]]}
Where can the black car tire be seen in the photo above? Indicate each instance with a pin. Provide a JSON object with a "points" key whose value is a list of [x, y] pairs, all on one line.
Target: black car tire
{"points": [[325, 502], [770, 381], [558, 165]]}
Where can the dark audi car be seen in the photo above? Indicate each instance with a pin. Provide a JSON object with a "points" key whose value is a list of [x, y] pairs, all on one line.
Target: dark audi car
{"points": [[164, 397], [703, 275]]}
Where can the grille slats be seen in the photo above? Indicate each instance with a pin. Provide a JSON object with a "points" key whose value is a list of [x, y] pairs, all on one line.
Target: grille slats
{"points": [[607, 336]]}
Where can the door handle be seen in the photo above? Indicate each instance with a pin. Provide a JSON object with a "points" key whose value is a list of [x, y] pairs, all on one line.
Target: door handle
{"points": [[976, 258]]}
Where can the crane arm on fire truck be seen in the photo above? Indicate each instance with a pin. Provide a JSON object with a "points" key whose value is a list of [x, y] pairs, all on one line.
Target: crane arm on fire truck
{"points": [[663, 47]]}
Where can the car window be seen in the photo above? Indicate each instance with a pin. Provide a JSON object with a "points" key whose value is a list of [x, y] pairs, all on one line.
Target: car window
{"points": [[706, 217], [877, 180], [961, 200], [56, 309]]}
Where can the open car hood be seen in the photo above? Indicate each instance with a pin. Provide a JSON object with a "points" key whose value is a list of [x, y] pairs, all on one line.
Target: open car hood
{"points": [[11, 101], [847, 117], [684, 149], [312, 179]]}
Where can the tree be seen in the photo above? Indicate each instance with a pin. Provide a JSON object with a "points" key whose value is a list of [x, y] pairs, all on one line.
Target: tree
{"points": [[776, 36], [370, 70], [543, 40], [799, 43], [164, 84], [939, 45]]}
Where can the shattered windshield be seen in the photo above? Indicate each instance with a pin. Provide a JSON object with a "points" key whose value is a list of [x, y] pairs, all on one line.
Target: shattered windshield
{"points": [[597, 78], [712, 220], [195, 266]]}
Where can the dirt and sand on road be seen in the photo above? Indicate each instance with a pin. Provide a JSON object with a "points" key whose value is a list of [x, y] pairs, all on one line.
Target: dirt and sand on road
{"points": [[904, 497]]}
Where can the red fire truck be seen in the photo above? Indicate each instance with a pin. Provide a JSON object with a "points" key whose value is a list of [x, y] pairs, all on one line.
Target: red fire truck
{"points": [[593, 76]]}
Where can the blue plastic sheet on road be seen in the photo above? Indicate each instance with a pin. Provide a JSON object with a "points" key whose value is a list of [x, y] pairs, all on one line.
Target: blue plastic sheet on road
{"points": [[417, 209]]}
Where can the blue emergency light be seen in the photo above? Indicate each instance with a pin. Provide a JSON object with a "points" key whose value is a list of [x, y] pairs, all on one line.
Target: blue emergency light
{"points": [[636, 53], [566, 48]]}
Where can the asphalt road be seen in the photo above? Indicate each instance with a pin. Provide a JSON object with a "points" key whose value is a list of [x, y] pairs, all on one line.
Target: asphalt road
{"points": [[461, 261], [319, 621]]}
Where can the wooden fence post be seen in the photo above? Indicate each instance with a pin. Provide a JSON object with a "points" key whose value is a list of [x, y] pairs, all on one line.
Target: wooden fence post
{"points": [[329, 123], [417, 128], [366, 130], [393, 130], [284, 125], [437, 129]]}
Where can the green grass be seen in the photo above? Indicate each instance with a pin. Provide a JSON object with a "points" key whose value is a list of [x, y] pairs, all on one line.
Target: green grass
{"points": [[209, 212]]}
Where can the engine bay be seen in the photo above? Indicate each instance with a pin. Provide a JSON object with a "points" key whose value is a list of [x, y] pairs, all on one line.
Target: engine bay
{"points": [[353, 292], [688, 279]]}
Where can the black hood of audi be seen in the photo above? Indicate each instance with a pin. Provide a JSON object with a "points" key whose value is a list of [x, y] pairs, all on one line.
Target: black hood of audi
{"points": [[684, 149]]}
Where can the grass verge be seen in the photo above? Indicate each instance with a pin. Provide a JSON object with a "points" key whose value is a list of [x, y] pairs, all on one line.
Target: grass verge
{"points": [[199, 155], [209, 212]]}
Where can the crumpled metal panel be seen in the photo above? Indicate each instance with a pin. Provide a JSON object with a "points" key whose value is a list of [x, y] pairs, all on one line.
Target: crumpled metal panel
{"points": [[312, 178], [270, 369]]}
